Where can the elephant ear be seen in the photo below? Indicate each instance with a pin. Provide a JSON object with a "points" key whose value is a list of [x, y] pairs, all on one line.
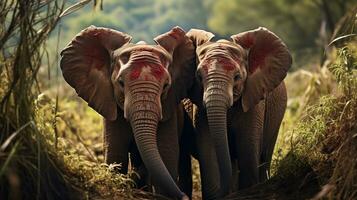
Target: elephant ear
{"points": [[85, 65], [199, 37], [269, 61], [182, 67]]}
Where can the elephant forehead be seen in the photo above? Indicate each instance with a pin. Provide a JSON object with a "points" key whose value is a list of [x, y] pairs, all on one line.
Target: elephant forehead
{"points": [[145, 48], [144, 56], [221, 54], [220, 44], [144, 70], [221, 49], [219, 62]]}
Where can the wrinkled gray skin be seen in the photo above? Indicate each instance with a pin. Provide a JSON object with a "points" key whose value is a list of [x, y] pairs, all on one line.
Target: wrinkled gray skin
{"points": [[241, 99], [135, 88]]}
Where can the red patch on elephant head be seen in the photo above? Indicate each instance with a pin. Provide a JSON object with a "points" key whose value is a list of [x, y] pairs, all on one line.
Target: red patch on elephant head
{"points": [[156, 70], [206, 64], [255, 61], [136, 70], [226, 64], [99, 56], [135, 73], [228, 67], [223, 62], [258, 55], [247, 42]]}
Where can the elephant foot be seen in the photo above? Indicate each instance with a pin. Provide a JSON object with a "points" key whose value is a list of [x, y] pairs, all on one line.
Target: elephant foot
{"points": [[185, 198]]}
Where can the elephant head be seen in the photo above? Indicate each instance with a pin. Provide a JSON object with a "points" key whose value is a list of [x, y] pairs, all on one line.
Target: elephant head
{"points": [[240, 72], [114, 75]]}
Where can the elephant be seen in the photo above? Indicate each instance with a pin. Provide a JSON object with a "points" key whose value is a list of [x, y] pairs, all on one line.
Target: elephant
{"points": [[138, 89], [241, 100]]}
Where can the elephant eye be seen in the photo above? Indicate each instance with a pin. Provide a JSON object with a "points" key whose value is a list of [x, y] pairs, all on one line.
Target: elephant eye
{"points": [[166, 86], [199, 76], [237, 77]]}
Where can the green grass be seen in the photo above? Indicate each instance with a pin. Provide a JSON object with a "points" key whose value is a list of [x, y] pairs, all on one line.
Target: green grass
{"points": [[323, 135], [44, 150]]}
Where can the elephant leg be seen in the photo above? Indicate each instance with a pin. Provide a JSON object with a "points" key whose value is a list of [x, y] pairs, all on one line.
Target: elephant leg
{"points": [[275, 107], [140, 173], [185, 172], [185, 165], [168, 144], [207, 159], [235, 175], [117, 139], [249, 130]]}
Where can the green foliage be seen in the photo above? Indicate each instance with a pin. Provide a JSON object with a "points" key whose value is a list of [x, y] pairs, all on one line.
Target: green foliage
{"points": [[141, 19], [26, 166], [35, 160], [76, 160], [325, 137], [345, 68], [304, 25]]}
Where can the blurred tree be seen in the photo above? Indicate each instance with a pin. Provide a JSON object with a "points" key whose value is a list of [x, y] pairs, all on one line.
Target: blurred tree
{"points": [[141, 19], [305, 25]]}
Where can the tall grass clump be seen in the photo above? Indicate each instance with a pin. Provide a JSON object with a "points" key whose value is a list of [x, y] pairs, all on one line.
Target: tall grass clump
{"points": [[35, 163], [316, 151], [325, 139], [322, 134], [26, 172], [320, 160]]}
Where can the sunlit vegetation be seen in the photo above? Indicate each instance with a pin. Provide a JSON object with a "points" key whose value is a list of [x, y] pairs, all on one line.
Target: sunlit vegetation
{"points": [[324, 138], [51, 144]]}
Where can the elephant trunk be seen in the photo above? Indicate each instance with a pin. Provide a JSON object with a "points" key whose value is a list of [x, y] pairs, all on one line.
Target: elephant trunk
{"points": [[144, 115], [217, 102]]}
